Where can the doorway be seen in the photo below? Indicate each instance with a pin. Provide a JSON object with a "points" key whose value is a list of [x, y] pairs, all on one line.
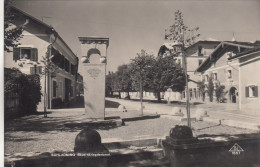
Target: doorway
{"points": [[233, 95]]}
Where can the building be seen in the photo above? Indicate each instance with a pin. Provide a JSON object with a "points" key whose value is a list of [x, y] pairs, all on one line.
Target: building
{"points": [[221, 70], [249, 80], [28, 57], [195, 55]]}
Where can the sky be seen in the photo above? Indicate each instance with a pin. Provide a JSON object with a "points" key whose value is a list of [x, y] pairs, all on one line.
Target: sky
{"points": [[135, 25]]}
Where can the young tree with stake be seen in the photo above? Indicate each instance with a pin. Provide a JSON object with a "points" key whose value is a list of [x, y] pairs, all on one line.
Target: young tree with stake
{"points": [[183, 36]]}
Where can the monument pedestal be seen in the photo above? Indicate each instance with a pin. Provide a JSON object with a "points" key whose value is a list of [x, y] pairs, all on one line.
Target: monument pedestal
{"points": [[94, 74], [94, 90]]}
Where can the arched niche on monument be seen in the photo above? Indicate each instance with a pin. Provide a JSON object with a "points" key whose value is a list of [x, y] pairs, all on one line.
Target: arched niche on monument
{"points": [[93, 57]]}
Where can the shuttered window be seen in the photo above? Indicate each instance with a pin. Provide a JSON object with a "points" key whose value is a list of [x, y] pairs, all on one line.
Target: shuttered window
{"points": [[16, 54], [54, 86], [252, 91], [25, 53], [36, 70]]}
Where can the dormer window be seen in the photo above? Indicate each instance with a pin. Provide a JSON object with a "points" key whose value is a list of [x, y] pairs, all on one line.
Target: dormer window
{"points": [[229, 55]]}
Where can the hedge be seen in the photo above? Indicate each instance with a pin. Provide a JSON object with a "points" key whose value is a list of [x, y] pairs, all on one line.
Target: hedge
{"points": [[27, 87]]}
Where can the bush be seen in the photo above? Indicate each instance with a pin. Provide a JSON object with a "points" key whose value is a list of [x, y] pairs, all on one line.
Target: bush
{"points": [[220, 93], [26, 86], [181, 132]]}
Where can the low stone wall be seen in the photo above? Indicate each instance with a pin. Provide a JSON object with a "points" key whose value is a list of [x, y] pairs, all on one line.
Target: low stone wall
{"points": [[239, 151], [59, 159]]}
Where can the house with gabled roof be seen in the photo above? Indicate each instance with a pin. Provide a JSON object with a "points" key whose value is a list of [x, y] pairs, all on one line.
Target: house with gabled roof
{"points": [[195, 55], [249, 79], [222, 70], [32, 48]]}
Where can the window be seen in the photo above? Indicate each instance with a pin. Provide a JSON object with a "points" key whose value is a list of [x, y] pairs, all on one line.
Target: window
{"points": [[71, 91], [252, 91], [179, 61], [229, 55], [25, 53], [215, 76], [36, 70], [60, 89], [200, 61], [67, 65], [54, 87], [229, 74], [206, 78]]}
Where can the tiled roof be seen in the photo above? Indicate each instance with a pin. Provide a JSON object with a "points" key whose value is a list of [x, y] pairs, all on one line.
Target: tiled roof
{"points": [[248, 51], [49, 27]]}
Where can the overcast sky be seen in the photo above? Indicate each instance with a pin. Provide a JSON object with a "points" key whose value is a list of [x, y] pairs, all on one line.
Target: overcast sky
{"points": [[135, 25]]}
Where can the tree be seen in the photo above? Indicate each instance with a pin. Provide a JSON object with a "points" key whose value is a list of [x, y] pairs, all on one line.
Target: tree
{"points": [[124, 82], [12, 34], [110, 77], [165, 74], [201, 87], [220, 93], [50, 69], [183, 36], [140, 67], [210, 88]]}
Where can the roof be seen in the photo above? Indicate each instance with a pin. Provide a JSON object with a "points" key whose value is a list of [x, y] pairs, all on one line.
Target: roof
{"points": [[203, 41], [214, 55], [100, 40], [37, 21], [242, 54]]}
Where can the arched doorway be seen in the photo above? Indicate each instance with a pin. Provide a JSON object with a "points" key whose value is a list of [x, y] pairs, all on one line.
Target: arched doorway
{"points": [[233, 95]]}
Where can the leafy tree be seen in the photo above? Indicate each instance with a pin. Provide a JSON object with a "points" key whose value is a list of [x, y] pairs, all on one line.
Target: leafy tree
{"points": [[220, 93], [166, 74], [50, 69], [140, 68], [210, 88], [180, 33], [12, 34], [201, 87], [109, 83], [123, 77], [27, 87]]}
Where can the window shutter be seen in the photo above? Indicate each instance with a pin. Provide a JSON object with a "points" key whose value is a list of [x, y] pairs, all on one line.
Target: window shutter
{"points": [[40, 69], [247, 91], [256, 91], [16, 54], [34, 54], [32, 70]]}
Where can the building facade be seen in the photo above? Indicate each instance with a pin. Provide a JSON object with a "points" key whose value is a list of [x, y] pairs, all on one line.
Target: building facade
{"points": [[249, 80], [222, 71], [195, 55], [41, 41]]}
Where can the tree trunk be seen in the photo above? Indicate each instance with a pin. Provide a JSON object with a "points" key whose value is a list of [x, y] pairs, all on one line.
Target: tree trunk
{"points": [[119, 95], [128, 96], [141, 95], [158, 96]]}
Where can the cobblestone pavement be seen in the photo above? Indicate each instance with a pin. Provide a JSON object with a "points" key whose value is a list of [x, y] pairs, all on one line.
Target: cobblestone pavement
{"points": [[37, 134]]}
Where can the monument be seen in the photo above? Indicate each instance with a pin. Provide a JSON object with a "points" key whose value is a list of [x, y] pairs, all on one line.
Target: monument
{"points": [[94, 55]]}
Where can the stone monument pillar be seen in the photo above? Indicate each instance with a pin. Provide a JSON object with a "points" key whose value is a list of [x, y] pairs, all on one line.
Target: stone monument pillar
{"points": [[94, 55]]}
